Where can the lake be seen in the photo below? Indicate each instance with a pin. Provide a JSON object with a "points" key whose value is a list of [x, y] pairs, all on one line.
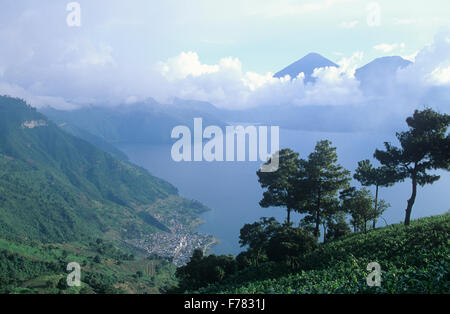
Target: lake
{"points": [[232, 191]]}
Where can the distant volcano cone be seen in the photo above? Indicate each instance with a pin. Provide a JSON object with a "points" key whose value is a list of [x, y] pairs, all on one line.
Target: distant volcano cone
{"points": [[377, 76], [307, 64]]}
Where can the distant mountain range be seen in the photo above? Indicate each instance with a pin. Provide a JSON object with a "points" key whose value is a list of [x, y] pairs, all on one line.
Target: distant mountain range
{"points": [[55, 187], [145, 122], [378, 75], [150, 122], [380, 69], [373, 77], [306, 65]]}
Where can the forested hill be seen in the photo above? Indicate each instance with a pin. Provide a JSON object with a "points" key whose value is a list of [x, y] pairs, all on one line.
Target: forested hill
{"points": [[412, 259], [55, 187]]}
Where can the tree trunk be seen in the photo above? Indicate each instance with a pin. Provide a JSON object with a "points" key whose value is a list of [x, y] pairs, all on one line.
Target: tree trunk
{"points": [[411, 200], [316, 229], [376, 206], [288, 219]]}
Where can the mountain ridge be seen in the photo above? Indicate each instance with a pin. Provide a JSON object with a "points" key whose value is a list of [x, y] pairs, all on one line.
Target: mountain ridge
{"points": [[306, 65], [377, 75], [56, 187], [143, 122]]}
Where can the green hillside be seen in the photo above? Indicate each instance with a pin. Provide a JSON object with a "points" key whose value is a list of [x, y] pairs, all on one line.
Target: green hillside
{"points": [[93, 139], [64, 200], [31, 267], [413, 259], [55, 187], [142, 122]]}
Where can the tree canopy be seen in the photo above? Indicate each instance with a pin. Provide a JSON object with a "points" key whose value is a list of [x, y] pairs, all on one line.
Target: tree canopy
{"points": [[368, 175], [424, 147], [320, 179], [280, 185]]}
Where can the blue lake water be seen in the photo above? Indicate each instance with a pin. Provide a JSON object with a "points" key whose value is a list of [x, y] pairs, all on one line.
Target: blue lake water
{"points": [[232, 191]]}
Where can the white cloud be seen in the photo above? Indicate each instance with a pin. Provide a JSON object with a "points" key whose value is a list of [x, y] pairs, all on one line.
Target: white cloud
{"points": [[349, 24], [91, 57], [280, 8], [411, 57], [184, 65], [35, 100], [389, 47], [60, 66], [334, 87], [224, 84], [218, 42], [227, 85], [430, 72], [440, 75], [349, 65], [405, 21]]}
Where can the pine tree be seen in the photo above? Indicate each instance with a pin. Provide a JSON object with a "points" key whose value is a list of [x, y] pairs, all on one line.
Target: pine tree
{"points": [[360, 205], [280, 185], [424, 147], [320, 178], [368, 175]]}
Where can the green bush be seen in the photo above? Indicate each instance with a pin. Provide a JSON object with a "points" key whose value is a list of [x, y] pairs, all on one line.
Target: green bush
{"points": [[413, 259]]}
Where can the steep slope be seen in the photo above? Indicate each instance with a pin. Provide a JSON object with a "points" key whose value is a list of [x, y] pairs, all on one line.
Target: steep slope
{"points": [[307, 64], [381, 67], [413, 259], [378, 75], [146, 122], [93, 139], [55, 187], [32, 268]]}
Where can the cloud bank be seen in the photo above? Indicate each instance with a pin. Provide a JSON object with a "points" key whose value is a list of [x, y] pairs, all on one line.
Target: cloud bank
{"points": [[227, 85], [389, 47], [65, 68]]}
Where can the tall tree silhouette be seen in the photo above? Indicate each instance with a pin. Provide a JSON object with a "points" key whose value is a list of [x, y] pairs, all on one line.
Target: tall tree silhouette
{"points": [[319, 179], [257, 235], [361, 206], [368, 175], [280, 185], [424, 147]]}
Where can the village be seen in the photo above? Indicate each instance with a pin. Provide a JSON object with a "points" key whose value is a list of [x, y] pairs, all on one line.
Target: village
{"points": [[175, 246]]}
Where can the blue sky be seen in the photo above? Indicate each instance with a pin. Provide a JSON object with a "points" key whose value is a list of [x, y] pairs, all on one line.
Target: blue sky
{"points": [[264, 35], [215, 50]]}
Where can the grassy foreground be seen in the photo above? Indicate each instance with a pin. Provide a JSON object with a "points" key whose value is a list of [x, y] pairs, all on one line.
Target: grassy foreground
{"points": [[29, 268], [413, 259]]}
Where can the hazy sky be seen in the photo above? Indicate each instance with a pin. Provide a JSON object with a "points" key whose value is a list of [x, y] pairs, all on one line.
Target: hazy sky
{"points": [[265, 35], [124, 49]]}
